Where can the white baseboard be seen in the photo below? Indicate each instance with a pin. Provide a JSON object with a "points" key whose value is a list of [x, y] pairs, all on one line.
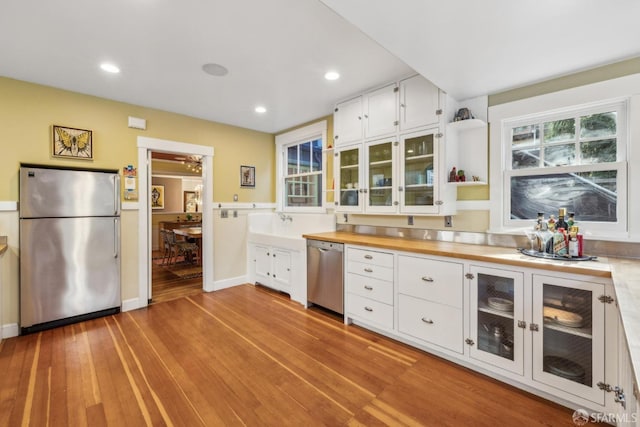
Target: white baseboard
{"points": [[131, 304], [10, 330], [228, 283]]}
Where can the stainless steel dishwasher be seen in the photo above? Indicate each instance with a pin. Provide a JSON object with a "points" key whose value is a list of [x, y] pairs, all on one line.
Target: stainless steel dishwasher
{"points": [[324, 275]]}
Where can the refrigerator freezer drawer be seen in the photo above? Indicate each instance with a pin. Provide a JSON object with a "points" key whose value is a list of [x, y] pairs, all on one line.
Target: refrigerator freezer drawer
{"points": [[68, 193], [71, 267]]}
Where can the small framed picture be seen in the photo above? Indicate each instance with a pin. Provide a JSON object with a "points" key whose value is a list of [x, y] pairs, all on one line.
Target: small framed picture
{"points": [[72, 143], [190, 202], [247, 176], [157, 197]]}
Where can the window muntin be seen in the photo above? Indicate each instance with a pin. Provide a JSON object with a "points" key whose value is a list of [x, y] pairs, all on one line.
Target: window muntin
{"points": [[574, 160]]}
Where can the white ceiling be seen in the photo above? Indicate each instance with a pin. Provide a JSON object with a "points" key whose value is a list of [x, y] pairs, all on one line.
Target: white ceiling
{"points": [[472, 48], [277, 51]]}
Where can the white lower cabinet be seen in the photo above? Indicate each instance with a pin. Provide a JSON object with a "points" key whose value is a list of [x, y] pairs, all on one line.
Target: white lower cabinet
{"points": [[433, 323], [568, 332], [369, 292], [272, 267], [430, 301], [549, 332]]}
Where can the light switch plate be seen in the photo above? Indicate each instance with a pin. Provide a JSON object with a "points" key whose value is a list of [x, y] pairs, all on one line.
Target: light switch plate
{"points": [[224, 213], [447, 221]]}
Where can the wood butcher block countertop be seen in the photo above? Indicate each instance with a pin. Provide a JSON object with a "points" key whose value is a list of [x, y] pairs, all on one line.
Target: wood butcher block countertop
{"points": [[496, 254], [625, 273]]}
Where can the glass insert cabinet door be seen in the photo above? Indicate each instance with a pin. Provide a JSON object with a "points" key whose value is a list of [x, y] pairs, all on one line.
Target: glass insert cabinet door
{"points": [[380, 176], [497, 336], [568, 335], [348, 179], [419, 154]]}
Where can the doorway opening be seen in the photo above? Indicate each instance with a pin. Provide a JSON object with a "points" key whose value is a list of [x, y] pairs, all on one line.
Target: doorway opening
{"points": [[148, 199], [176, 225]]}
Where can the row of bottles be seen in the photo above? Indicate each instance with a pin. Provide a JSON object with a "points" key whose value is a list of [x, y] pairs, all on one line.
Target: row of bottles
{"points": [[557, 237]]}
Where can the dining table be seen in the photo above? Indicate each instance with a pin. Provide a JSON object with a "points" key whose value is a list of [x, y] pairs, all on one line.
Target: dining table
{"points": [[194, 233]]}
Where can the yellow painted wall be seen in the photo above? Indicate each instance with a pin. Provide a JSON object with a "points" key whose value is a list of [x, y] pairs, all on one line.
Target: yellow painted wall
{"points": [[27, 113]]}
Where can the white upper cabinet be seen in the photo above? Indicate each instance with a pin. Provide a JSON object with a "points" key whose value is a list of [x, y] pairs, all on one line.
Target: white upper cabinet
{"points": [[400, 170], [381, 111], [347, 121], [419, 103]]}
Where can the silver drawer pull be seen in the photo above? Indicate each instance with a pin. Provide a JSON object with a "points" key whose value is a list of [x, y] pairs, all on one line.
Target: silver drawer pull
{"points": [[368, 308], [427, 279], [429, 321], [368, 270], [369, 288], [368, 257]]}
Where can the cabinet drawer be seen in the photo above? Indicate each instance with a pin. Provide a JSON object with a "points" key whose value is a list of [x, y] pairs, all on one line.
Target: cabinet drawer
{"points": [[437, 281], [371, 311], [368, 287], [369, 270], [370, 257], [435, 323]]}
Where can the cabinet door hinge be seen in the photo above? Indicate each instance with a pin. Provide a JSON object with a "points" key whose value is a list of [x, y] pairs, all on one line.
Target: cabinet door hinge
{"points": [[396, 143], [534, 327], [522, 324], [439, 202], [469, 276], [605, 299], [439, 135], [469, 341], [395, 89], [438, 111], [395, 123], [617, 391]]}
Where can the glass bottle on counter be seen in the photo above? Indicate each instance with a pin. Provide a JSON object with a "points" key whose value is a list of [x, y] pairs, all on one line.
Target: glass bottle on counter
{"points": [[561, 223]]}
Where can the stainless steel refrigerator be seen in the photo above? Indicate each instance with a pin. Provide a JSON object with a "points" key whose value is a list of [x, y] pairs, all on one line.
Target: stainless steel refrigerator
{"points": [[69, 245]]}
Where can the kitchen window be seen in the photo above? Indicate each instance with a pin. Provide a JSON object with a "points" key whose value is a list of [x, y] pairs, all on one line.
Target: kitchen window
{"points": [[572, 160], [301, 165], [567, 149]]}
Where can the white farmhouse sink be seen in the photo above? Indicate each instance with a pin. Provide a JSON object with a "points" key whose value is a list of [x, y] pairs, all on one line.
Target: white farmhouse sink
{"points": [[270, 229]]}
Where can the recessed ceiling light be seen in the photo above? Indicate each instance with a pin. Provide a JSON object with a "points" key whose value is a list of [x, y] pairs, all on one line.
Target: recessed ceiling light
{"points": [[260, 109], [109, 68], [332, 75], [215, 70]]}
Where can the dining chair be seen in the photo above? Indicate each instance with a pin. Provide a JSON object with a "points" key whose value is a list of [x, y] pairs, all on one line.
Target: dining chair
{"points": [[180, 247]]}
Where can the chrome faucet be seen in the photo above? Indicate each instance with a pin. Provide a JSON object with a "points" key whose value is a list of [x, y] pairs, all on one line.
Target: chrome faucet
{"points": [[284, 217]]}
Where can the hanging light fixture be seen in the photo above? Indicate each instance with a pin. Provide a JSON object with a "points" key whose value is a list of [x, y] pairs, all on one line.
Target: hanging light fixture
{"points": [[194, 164]]}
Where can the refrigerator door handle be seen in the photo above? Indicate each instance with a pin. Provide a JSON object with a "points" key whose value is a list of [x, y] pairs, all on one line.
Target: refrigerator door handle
{"points": [[116, 193], [116, 238]]}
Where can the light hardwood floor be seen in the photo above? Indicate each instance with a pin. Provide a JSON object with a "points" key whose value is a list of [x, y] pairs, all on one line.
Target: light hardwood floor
{"points": [[165, 286], [244, 356]]}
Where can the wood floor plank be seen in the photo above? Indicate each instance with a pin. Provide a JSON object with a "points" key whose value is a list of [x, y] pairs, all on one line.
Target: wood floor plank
{"points": [[244, 356]]}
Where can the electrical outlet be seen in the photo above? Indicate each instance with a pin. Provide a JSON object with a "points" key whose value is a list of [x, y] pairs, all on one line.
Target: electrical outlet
{"points": [[235, 197], [447, 221], [235, 214], [410, 220]]}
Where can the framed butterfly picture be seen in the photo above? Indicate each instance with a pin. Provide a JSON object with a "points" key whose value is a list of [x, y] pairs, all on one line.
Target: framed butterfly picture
{"points": [[72, 143]]}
